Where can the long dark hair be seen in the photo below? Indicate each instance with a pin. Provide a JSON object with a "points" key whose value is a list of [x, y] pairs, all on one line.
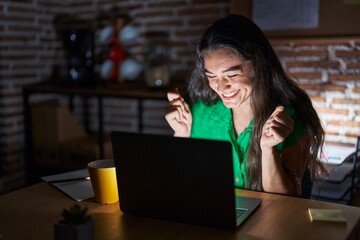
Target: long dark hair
{"points": [[271, 87]]}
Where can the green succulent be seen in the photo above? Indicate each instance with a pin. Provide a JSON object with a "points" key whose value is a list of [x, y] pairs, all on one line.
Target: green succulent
{"points": [[75, 215]]}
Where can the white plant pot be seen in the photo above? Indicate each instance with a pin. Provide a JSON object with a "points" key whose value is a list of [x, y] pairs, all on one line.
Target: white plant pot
{"points": [[74, 232]]}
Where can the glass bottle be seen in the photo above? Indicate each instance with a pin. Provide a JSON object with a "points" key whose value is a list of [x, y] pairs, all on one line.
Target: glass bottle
{"points": [[157, 60]]}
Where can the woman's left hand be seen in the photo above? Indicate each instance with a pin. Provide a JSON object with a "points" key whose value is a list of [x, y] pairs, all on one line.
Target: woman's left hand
{"points": [[276, 129]]}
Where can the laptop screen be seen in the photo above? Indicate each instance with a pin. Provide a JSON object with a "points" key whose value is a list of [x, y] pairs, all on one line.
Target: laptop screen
{"points": [[180, 179]]}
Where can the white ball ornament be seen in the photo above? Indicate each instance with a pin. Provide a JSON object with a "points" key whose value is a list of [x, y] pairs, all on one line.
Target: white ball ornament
{"points": [[130, 69], [128, 35], [106, 34], [106, 69]]}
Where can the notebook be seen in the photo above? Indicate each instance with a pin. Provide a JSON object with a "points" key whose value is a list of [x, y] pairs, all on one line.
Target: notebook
{"points": [[75, 184], [185, 180]]}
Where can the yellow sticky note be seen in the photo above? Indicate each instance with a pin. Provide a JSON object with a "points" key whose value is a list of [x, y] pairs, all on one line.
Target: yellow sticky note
{"points": [[328, 215]]}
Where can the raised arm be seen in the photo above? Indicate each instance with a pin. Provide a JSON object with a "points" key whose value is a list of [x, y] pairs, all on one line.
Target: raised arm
{"points": [[281, 173], [178, 114]]}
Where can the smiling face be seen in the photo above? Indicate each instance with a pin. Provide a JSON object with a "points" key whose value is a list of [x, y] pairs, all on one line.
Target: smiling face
{"points": [[229, 76]]}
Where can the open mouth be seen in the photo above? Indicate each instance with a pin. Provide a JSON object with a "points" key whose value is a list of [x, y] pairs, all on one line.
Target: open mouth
{"points": [[230, 95]]}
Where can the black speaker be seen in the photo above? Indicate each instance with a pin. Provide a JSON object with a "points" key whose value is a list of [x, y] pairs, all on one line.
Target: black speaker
{"points": [[79, 47]]}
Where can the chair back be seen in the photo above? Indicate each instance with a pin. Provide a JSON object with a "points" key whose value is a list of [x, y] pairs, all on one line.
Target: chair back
{"points": [[356, 164], [306, 185]]}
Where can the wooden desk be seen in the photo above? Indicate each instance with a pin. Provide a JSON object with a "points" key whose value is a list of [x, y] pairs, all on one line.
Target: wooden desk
{"points": [[30, 213]]}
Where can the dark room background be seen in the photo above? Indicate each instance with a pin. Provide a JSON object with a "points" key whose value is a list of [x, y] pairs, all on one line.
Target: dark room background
{"points": [[327, 68]]}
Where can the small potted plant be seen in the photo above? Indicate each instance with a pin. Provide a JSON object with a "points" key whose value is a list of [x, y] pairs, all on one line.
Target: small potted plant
{"points": [[75, 225]]}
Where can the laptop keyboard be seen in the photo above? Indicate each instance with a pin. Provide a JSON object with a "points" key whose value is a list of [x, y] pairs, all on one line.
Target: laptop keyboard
{"points": [[240, 211]]}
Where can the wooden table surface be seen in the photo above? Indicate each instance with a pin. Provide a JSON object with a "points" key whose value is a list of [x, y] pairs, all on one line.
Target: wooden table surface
{"points": [[30, 213]]}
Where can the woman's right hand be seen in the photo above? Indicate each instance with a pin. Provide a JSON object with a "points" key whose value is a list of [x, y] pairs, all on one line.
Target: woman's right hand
{"points": [[178, 114]]}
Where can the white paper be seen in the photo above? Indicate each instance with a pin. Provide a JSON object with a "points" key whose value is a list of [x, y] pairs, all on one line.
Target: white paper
{"points": [[77, 190], [286, 14], [336, 154]]}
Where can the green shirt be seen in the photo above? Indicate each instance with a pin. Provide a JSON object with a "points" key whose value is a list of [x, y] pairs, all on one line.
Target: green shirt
{"points": [[216, 122]]}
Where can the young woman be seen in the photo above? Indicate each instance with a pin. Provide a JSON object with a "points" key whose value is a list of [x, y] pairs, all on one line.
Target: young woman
{"points": [[240, 93]]}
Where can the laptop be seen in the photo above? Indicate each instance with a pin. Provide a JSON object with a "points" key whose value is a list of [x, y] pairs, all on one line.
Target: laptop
{"points": [[185, 180]]}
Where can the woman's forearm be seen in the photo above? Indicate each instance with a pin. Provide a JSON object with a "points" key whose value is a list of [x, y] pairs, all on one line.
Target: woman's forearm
{"points": [[274, 178]]}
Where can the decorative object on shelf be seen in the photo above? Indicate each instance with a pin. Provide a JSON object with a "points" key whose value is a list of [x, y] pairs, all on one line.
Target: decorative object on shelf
{"points": [[116, 34], [106, 34], [75, 225], [106, 69], [128, 35], [130, 69], [157, 59], [77, 37], [79, 45]]}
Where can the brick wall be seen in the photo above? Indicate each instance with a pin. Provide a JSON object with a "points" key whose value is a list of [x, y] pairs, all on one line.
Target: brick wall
{"points": [[29, 49], [329, 70]]}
